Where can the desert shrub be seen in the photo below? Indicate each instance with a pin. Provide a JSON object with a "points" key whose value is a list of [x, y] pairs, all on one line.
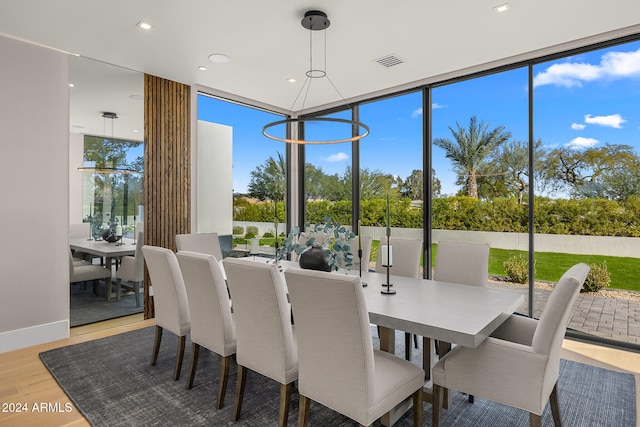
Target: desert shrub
{"points": [[517, 269], [249, 235], [237, 230], [597, 278], [268, 234], [253, 230]]}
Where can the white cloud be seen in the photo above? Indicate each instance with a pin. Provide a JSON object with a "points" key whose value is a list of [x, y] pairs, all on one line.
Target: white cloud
{"points": [[573, 74], [613, 120], [577, 126], [338, 157], [416, 113], [435, 106], [581, 142]]}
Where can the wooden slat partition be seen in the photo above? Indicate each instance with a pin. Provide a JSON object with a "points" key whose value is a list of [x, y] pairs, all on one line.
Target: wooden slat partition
{"points": [[167, 167]]}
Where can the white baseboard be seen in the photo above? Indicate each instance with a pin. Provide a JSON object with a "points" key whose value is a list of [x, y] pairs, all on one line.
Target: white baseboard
{"points": [[26, 337]]}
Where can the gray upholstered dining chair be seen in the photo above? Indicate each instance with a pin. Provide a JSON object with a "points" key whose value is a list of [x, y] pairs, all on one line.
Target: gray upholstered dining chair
{"points": [[264, 333], [463, 263], [212, 325], [406, 262], [82, 230], [132, 270], [204, 243], [170, 300], [518, 365], [338, 366]]}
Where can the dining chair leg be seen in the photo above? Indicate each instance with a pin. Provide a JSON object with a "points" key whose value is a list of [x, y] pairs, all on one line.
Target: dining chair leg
{"points": [[407, 346], [136, 289], [193, 365], [225, 364], [179, 357], [555, 408], [240, 384], [417, 408], [535, 420], [156, 346], [118, 289], [285, 398], [304, 410], [436, 405]]}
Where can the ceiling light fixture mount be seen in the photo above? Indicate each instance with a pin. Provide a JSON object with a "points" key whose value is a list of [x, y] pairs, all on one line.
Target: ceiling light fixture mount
{"points": [[315, 20]]}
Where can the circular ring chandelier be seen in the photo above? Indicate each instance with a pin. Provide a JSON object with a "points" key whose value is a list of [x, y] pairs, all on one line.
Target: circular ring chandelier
{"points": [[316, 20]]}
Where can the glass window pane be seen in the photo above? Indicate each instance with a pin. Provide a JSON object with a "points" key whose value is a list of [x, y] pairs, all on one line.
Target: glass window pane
{"points": [[480, 165], [587, 208], [259, 171]]}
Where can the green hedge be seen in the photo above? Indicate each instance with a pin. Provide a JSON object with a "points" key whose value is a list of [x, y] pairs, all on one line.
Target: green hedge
{"points": [[589, 217]]}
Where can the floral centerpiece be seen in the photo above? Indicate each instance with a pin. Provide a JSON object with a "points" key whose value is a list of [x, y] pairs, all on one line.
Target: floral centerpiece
{"points": [[331, 236]]}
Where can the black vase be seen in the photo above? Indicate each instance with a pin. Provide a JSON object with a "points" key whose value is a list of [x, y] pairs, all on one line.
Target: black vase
{"points": [[315, 258], [109, 235]]}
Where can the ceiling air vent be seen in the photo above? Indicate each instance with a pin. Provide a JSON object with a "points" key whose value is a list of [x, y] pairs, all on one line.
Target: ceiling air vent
{"points": [[389, 61]]}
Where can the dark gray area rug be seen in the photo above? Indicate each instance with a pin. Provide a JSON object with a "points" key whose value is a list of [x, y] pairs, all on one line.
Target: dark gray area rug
{"points": [[86, 308], [112, 384]]}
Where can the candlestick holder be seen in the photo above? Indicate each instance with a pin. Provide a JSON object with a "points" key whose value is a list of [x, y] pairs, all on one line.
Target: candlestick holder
{"points": [[364, 284], [388, 290]]}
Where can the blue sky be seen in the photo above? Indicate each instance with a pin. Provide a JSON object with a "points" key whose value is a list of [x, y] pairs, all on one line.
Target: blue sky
{"points": [[581, 101]]}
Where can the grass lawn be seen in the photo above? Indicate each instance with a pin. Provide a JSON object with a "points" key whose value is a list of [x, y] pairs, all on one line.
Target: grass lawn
{"points": [[550, 266]]}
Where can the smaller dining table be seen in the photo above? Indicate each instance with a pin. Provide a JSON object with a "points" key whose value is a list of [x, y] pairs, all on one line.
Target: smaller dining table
{"points": [[104, 249]]}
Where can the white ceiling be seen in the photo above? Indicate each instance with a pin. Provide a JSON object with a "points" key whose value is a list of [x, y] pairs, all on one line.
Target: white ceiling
{"points": [[267, 45]]}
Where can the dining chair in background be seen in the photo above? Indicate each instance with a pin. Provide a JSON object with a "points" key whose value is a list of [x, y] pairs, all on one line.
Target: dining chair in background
{"points": [[170, 300], [204, 243], [132, 270], [406, 263], [367, 242], [519, 364], [82, 271], [463, 263], [338, 366], [212, 325], [82, 230], [265, 340]]}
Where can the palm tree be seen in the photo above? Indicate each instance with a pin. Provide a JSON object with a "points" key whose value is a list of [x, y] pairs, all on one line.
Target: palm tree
{"points": [[472, 147]]}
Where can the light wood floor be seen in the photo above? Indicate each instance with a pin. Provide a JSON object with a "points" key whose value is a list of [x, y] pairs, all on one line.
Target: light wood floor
{"points": [[25, 380]]}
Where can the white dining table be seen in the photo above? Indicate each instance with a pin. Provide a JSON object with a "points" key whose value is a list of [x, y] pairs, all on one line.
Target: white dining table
{"points": [[448, 312], [107, 250]]}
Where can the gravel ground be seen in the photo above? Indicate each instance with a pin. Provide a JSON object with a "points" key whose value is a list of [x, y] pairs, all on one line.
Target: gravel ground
{"points": [[606, 293]]}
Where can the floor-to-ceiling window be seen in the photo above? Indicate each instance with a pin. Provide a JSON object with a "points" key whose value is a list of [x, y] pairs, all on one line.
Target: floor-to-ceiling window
{"points": [[391, 167], [480, 160], [328, 170], [258, 171], [586, 209]]}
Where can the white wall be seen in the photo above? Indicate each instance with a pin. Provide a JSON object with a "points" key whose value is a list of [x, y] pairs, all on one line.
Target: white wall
{"points": [[214, 201], [34, 186]]}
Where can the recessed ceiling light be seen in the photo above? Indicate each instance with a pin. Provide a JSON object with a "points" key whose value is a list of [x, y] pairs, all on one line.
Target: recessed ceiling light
{"points": [[202, 68], [135, 131], [71, 85], [143, 25], [219, 58], [502, 7], [291, 80], [136, 97]]}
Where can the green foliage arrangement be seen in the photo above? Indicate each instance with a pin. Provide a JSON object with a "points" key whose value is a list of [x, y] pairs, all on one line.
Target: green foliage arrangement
{"points": [[253, 230], [238, 230], [597, 278], [517, 269], [268, 234], [327, 233], [249, 235]]}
